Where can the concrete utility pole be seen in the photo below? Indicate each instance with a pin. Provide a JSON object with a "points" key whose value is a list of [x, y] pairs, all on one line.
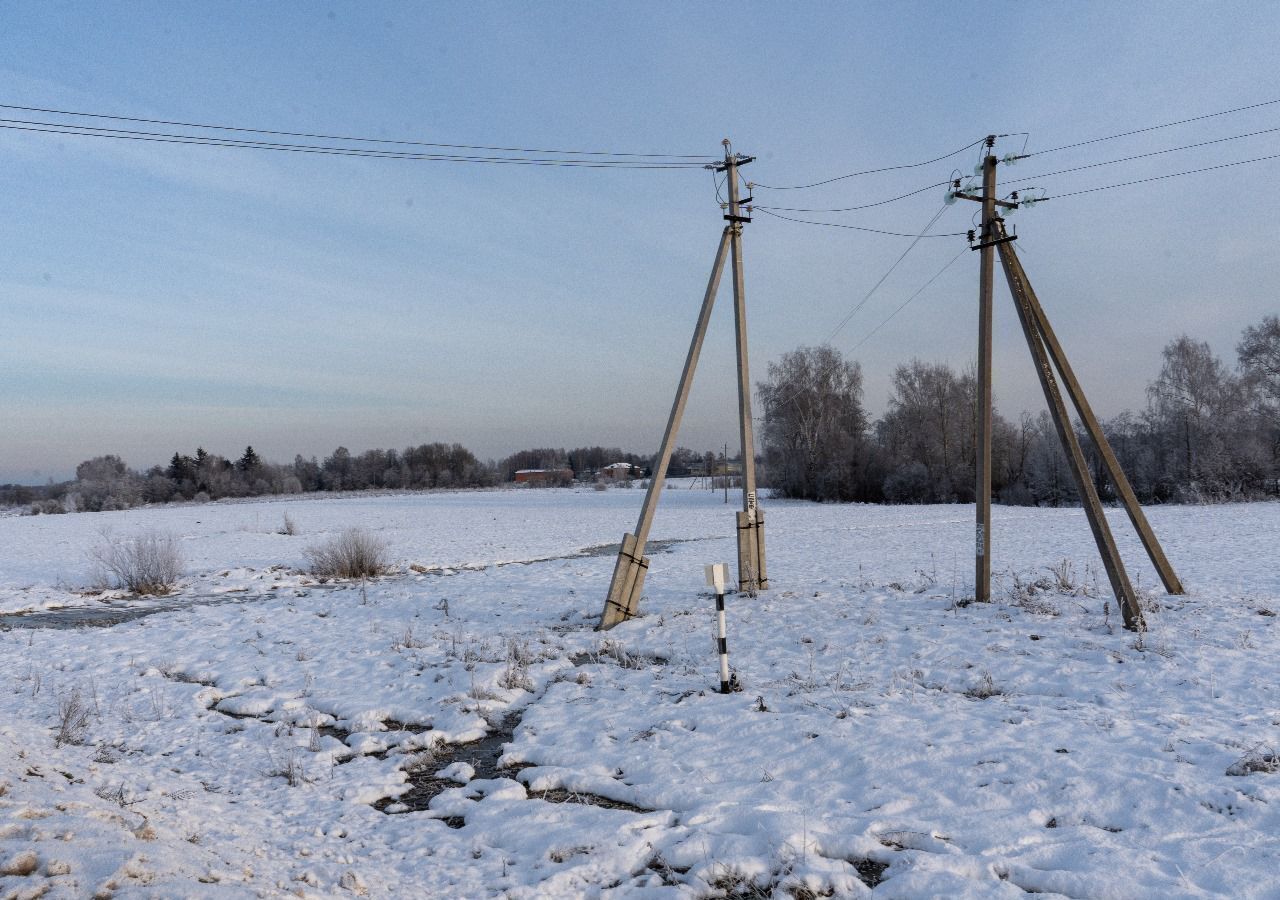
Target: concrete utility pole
{"points": [[1048, 356], [751, 564], [629, 571], [986, 281]]}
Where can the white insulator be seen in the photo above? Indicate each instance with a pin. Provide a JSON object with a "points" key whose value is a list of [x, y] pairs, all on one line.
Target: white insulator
{"points": [[1010, 158], [949, 198]]}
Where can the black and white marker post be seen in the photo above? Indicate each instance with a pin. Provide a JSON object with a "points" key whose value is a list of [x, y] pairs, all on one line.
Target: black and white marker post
{"points": [[717, 575]]}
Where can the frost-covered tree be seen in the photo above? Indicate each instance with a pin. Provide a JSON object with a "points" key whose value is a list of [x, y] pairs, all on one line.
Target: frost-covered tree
{"points": [[815, 426], [930, 421]]}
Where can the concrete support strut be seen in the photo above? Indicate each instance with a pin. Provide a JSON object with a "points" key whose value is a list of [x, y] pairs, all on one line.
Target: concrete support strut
{"points": [[1125, 595], [630, 569], [1118, 479]]}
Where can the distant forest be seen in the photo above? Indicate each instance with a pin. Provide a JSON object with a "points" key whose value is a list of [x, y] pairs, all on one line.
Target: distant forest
{"points": [[107, 482], [1209, 432]]}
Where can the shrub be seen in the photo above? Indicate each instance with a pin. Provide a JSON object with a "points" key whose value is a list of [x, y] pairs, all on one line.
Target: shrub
{"points": [[352, 554], [73, 718], [148, 564]]}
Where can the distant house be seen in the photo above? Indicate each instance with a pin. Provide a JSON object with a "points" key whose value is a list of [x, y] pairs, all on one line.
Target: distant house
{"points": [[620, 471], [544, 476]]}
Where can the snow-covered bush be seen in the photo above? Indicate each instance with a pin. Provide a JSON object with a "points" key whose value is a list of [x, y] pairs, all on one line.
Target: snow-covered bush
{"points": [[354, 553], [150, 563]]}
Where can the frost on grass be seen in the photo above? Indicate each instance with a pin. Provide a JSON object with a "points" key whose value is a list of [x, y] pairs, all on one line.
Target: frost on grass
{"points": [[354, 553], [147, 564]]}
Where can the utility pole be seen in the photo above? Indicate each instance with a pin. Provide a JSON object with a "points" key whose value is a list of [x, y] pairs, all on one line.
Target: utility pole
{"points": [[629, 571], [724, 473], [986, 282], [1050, 362], [751, 565], [982, 425]]}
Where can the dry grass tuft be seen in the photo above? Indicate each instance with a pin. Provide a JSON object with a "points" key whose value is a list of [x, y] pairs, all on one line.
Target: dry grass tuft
{"points": [[354, 553], [148, 564]]}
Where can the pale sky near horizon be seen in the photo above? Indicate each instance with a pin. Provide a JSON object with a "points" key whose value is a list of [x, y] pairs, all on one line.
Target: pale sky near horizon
{"points": [[158, 297]]}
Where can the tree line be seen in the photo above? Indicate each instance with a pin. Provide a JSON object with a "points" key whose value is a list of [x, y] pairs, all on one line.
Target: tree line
{"points": [[1209, 432], [107, 482]]}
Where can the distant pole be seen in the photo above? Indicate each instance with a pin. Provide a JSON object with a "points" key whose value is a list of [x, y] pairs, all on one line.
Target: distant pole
{"points": [[724, 472], [986, 281]]}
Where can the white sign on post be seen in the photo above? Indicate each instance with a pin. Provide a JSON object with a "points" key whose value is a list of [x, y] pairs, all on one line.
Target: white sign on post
{"points": [[717, 575]]}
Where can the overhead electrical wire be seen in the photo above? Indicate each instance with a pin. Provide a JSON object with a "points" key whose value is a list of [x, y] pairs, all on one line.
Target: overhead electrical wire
{"points": [[927, 162], [1124, 159], [883, 278], [332, 137], [1112, 137], [860, 227], [907, 302], [236, 143], [875, 287], [1109, 187], [928, 187]]}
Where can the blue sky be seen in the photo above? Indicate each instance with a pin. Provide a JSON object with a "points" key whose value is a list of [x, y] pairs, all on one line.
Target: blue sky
{"points": [[157, 297]]}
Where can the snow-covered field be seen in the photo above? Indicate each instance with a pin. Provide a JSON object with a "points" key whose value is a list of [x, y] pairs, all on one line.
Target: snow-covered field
{"points": [[277, 737]]}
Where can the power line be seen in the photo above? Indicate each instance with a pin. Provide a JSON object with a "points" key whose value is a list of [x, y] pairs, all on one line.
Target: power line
{"points": [[927, 162], [859, 227], [1123, 159], [235, 143], [1109, 187], [331, 137], [928, 187], [907, 302], [875, 287], [1112, 137]]}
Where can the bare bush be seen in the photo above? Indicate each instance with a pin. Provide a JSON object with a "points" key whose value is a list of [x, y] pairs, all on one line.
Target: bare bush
{"points": [[148, 564], [288, 527], [516, 676], [352, 554], [73, 718]]}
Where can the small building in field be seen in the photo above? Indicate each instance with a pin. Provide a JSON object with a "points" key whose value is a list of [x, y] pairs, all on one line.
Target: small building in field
{"points": [[620, 471], [544, 476]]}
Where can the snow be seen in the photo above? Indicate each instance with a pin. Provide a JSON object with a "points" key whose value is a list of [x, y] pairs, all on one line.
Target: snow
{"points": [[263, 737]]}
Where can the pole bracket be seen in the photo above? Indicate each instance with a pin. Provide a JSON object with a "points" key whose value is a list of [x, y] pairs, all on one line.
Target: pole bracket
{"points": [[1004, 240]]}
